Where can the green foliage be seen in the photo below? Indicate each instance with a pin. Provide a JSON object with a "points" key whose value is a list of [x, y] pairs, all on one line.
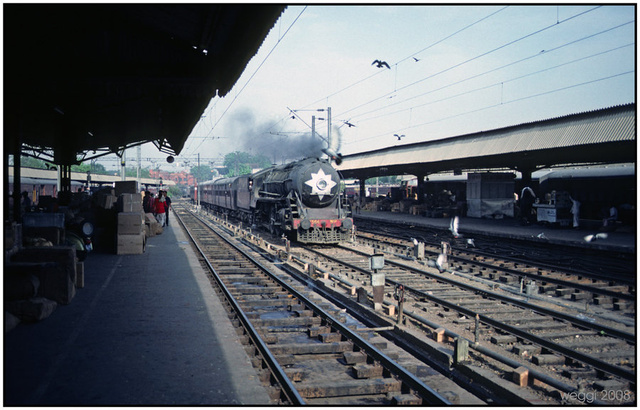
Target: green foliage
{"points": [[29, 162], [241, 163], [202, 173], [94, 168], [175, 191], [391, 180], [133, 172]]}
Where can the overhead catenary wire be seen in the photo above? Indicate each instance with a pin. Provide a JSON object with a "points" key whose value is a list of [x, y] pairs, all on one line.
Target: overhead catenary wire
{"points": [[282, 123], [509, 43], [280, 38], [502, 82], [386, 95], [500, 104]]}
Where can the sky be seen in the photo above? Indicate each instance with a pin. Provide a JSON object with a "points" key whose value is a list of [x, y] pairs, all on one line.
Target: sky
{"points": [[453, 70]]}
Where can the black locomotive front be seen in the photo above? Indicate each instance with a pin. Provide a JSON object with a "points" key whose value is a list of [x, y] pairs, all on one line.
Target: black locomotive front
{"points": [[303, 200]]}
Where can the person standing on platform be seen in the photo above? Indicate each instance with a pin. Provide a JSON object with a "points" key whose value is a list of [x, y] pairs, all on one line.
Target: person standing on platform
{"points": [[527, 198], [147, 203], [167, 202], [160, 209], [575, 211], [25, 202], [610, 221]]}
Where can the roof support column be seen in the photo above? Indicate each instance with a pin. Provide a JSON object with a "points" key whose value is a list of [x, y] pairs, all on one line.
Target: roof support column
{"points": [[420, 187], [526, 175], [17, 184], [363, 191]]}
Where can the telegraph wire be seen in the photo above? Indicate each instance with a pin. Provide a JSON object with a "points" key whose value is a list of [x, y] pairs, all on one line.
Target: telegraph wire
{"points": [[474, 58], [485, 87], [408, 57], [495, 84], [497, 105], [251, 77]]}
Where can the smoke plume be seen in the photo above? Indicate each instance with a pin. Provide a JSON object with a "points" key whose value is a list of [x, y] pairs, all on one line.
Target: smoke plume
{"points": [[270, 138]]}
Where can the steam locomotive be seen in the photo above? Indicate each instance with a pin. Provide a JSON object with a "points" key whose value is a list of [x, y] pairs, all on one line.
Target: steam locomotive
{"points": [[301, 200]]}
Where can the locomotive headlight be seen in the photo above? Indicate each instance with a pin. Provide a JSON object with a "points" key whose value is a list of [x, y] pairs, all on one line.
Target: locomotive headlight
{"points": [[347, 223], [322, 185], [305, 224]]}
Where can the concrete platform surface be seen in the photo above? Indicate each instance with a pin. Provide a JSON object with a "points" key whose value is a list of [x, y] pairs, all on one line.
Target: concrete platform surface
{"points": [[145, 330], [621, 240]]}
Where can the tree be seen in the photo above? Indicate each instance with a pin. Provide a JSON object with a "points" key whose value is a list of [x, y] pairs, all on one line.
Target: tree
{"points": [[133, 172], [30, 162], [201, 172], [95, 168], [241, 163]]}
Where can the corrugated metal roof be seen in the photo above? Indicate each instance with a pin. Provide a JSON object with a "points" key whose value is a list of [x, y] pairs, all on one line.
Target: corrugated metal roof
{"points": [[614, 124]]}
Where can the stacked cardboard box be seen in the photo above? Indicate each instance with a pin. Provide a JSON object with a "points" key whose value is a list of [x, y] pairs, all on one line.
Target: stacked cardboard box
{"points": [[53, 266], [127, 187], [129, 203], [105, 199], [131, 238], [152, 227]]}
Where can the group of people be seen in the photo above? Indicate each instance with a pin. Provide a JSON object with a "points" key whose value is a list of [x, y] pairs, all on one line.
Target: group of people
{"points": [[158, 206]]}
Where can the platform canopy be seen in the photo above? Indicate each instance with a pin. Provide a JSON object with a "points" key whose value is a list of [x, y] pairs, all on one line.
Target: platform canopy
{"points": [[85, 80], [606, 136]]}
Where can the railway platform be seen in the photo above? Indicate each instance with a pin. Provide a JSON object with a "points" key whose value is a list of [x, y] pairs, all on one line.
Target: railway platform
{"points": [[620, 240], [144, 330]]}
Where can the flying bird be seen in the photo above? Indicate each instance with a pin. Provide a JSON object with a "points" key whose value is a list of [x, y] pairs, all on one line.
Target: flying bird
{"points": [[416, 59], [453, 226], [348, 124], [398, 136], [381, 64], [471, 243]]}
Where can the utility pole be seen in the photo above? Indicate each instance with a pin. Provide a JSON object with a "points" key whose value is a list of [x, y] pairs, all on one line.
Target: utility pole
{"points": [[329, 127], [139, 161], [123, 163], [198, 200]]}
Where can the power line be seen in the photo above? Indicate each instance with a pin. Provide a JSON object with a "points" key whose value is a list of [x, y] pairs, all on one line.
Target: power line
{"points": [[509, 43], [252, 75], [411, 55], [493, 70], [498, 104]]}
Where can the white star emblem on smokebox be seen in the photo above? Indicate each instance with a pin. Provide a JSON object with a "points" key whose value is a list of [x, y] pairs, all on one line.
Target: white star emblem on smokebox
{"points": [[320, 184]]}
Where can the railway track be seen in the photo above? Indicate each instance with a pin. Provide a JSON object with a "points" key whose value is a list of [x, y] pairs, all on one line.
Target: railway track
{"points": [[504, 337], [611, 293], [301, 348], [573, 350], [595, 263]]}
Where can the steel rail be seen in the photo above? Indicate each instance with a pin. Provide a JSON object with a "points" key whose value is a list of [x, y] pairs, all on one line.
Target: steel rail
{"points": [[628, 337], [598, 364], [424, 391], [630, 280], [290, 392], [586, 288]]}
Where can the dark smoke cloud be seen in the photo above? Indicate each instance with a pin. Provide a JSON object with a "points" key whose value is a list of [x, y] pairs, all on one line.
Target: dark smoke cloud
{"points": [[266, 138]]}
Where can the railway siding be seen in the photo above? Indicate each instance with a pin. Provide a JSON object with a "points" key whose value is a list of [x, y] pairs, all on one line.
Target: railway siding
{"points": [[311, 342], [349, 282]]}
